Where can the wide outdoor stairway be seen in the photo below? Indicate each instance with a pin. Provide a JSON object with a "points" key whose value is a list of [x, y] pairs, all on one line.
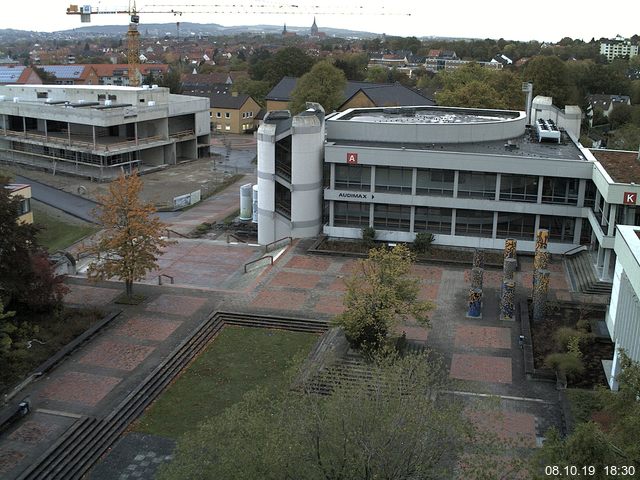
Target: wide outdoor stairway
{"points": [[583, 275]]}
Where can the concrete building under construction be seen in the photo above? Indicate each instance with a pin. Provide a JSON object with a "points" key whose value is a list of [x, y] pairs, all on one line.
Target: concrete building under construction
{"points": [[95, 131]]}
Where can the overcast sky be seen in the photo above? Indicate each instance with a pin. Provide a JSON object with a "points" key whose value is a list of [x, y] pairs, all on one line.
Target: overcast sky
{"points": [[546, 20]]}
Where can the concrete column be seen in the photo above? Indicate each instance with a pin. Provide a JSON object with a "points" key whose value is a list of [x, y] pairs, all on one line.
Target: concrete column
{"points": [[540, 185], [507, 304], [24, 126], [509, 268], [373, 179], [332, 179], [577, 230], [453, 221], [456, 178], [582, 188], [93, 132], [540, 292], [135, 131], [69, 132], [414, 182], [615, 370], [613, 210], [606, 264], [510, 245], [476, 277], [498, 180], [46, 131], [542, 239], [494, 230], [536, 224], [478, 258], [371, 214], [412, 218]]}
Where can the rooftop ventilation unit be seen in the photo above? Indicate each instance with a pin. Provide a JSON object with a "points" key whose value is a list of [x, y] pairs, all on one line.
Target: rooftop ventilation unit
{"points": [[547, 130]]}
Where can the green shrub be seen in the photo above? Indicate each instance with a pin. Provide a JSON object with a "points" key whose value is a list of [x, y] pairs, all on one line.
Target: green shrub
{"points": [[565, 363], [423, 242], [369, 236]]}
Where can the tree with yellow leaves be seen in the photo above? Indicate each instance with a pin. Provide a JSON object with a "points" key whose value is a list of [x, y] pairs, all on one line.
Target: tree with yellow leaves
{"points": [[131, 242]]}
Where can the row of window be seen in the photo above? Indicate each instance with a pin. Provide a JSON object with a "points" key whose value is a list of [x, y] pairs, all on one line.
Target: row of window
{"points": [[228, 114], [517, 188], [474, 223]]}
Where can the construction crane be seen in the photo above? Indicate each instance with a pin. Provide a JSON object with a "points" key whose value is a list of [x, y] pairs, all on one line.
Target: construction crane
{"points": [[266, 7]]}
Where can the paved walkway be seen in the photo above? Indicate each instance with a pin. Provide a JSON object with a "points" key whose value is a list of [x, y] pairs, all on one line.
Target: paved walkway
{"points": [[482, 355]]}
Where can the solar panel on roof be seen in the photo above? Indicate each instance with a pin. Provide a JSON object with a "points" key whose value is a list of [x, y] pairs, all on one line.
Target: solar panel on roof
{"points": [[10, 74], [63, 71]]}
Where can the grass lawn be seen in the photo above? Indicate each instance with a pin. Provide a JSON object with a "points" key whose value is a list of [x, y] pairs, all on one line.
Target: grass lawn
{"points": [[56, 233], [237, 361]]}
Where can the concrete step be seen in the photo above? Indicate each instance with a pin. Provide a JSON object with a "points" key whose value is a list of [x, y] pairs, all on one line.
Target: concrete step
{"points": [[584, 277]]}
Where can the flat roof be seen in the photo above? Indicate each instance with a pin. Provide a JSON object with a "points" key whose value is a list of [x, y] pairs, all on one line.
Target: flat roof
{"points": [[426, 115], [621, 165], [521, 146], [81, 87]]}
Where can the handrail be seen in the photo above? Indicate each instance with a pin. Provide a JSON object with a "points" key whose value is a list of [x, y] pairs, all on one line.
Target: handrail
{"points": [[270, 257], [235, 237], [573, 250], [266, 247], [169, 231], [164, 275]]}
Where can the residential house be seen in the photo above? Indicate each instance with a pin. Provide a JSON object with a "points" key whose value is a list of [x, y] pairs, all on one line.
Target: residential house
{"points": [[356, 94], [618, 47], [72, 74], [233, 112], [118, 74], [605, 103], [19, 74], [23, 192]]}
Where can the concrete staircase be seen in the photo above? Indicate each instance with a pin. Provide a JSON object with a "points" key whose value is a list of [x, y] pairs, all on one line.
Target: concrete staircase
{"points": [[583, 275]]}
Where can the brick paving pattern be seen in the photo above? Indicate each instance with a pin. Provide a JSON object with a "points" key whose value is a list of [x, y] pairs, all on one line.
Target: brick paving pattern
{"points": [[9, 458], [90, 296], [428, 292], [481, 368], [482, 337], [176, 304], [33, 432], [516, 428], [121, 356], [295, 280], [279, 300], [319, 264], [83, 388], [338, 285], [413, 332], [331, 304], [148, 328]]}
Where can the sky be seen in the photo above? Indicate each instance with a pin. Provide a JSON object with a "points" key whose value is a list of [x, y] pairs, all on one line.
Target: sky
{"points": [[512, 20]]}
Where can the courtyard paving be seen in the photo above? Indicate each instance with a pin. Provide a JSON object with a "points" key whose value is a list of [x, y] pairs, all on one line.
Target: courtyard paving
{"points": [[481, 355]]}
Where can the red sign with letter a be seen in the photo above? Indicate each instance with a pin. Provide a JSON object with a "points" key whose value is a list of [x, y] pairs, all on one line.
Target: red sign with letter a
{"points": [[630, 198], [352, 158]]}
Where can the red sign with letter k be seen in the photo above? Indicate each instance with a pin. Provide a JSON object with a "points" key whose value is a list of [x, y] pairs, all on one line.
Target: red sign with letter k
{"points": [[630, 198]]}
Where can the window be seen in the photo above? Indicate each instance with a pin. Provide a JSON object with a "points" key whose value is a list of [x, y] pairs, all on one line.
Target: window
{"points": [[42, 95], [392, 217], [101, 97], [283, 200], [560, 228], [218, 127], [352, 177], [393, 179], [227, 127], [435, 182], [227, 115], [112, 97], [218, 115], [516, 225], [25, 206], [590, 194], [560, 190], [477, 185], [350, 214], [434, 220], [474, 223], [519, 188], [250, 114]]}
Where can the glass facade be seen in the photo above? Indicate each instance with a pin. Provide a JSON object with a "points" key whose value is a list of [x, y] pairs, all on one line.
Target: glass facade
{"points": [[353, 177], [560, 190], [560, 228], [474, 223], [432, 219], [394, 179], [350, 214], [477, 185], [519, 188], [435, 182], [391, 217], [516, 225]]}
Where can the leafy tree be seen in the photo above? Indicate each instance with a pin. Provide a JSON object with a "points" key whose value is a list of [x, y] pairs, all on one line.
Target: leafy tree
{"points": [[550, 78], [354, 65], [385, 426], [257, 89], [26, 277], [132, 237], [377, 74], [369, 236], [172, 80], [479, 87], [6, 328], [423, 241], [290, 61], [620, 115], [625, 138], [380, 292], [324, 84]]}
